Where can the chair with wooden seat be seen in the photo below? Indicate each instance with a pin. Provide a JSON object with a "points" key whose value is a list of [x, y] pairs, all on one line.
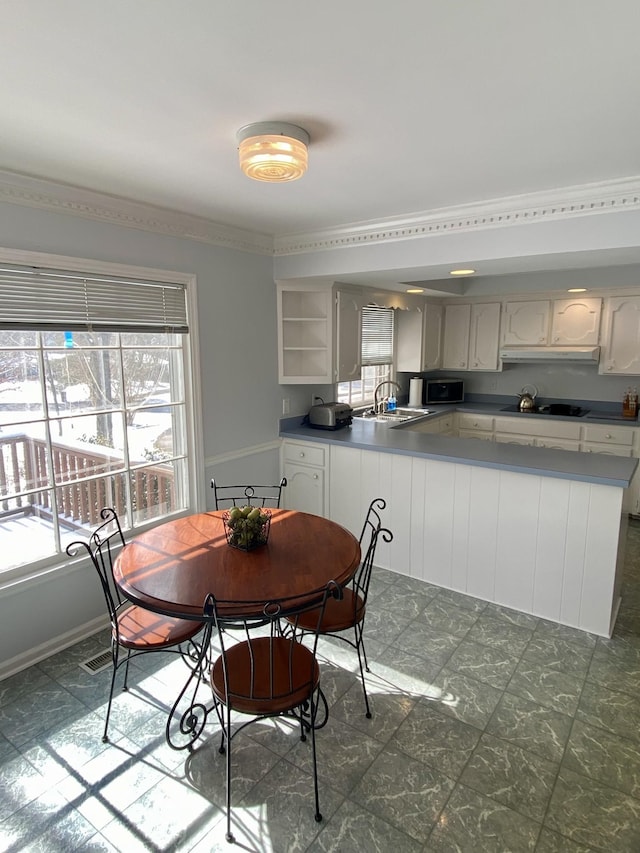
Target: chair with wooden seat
{"points": [[134, 629], [263, 496], [348, 613], [261, 673]]}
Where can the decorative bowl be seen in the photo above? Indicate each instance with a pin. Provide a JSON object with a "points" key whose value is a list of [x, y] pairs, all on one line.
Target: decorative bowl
{"points": [[247, 527]]}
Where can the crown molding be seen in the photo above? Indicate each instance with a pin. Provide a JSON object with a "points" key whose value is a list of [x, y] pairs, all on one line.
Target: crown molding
{"points": [[61, 198], [566, 203]]}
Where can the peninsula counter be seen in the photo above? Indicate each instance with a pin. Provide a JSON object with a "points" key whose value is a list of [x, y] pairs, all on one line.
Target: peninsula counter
{"points": [[538, 530]]}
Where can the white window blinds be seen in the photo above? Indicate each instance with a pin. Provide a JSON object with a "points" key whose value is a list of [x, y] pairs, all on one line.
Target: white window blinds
{"points": [[41, 299], [377, 335]]}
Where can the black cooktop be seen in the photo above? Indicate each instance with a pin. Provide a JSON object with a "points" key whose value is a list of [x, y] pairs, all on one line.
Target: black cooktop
{"points": [[562, 409]]}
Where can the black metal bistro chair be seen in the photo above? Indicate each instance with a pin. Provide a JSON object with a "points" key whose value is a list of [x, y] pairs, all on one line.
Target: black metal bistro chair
{"points": [[261, 673], [228, 496], [134, 629], [348, 613]]}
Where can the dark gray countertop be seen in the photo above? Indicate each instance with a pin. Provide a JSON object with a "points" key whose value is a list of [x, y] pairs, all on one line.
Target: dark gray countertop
{"points": [[598, 468]]}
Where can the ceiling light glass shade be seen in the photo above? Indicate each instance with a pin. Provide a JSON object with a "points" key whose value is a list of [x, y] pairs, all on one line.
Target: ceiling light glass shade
{"points": [[273, 151]]}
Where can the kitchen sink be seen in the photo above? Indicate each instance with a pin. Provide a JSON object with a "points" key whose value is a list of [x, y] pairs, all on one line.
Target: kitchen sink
{"points": [[399, 415]]}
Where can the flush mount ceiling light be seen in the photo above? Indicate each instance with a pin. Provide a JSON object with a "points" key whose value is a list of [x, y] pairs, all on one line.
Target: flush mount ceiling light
{"points": [[273, 151], [461, 272]]}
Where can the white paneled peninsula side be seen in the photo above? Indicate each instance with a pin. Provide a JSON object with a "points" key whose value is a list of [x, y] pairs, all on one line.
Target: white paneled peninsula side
{"points": [[535, 529]]}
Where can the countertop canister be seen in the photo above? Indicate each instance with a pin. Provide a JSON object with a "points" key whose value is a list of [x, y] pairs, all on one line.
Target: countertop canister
{"points": [[415, 391]]}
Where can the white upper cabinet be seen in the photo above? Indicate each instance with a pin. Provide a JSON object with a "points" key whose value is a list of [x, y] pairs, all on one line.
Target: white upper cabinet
{"points": [[319, 333], [419, 338], [432, 336], [526, 323], [484, 334], [621, 339], [471, 335], [348, 334], [305, 334], [455, 347], [576, 321]]}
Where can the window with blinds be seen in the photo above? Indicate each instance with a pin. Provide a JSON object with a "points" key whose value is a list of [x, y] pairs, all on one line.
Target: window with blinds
{"points": [[377, 335], [377, 357], [93, 406], [33, 298]]}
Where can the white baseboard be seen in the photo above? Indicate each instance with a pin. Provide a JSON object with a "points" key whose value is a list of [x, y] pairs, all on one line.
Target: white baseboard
{"points": [[51, 647]]}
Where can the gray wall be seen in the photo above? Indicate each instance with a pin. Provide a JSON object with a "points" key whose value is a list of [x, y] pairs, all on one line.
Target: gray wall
{"points": [[239, 386], [555, 382]]}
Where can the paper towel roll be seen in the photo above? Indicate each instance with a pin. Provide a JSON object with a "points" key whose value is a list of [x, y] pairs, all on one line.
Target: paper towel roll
{"points": [[415, 392]]}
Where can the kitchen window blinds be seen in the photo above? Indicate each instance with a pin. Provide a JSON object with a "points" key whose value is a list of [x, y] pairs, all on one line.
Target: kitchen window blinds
{"points": [[377, 335], [49, 299]]}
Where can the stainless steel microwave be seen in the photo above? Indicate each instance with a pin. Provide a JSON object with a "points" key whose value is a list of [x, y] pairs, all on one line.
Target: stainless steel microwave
{"points": [[443, 391]]}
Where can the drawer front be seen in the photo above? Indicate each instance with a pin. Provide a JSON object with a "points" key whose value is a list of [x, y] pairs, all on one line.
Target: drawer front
{"points": [[305, 453], [537, 425], [430, 426], [608, 434], [558, 443], [469, 421], [511, 438], [612, 450], [482, 435]]}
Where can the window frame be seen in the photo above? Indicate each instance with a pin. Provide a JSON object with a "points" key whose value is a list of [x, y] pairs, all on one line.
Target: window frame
{"points": [[345, 391], [195, 496]]}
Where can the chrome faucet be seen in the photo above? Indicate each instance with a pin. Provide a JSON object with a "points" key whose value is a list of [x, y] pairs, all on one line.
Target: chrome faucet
{"points": [[378, 387]]}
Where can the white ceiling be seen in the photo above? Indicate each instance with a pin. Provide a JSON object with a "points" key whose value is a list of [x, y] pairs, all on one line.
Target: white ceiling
{"points": [[411, 106]]}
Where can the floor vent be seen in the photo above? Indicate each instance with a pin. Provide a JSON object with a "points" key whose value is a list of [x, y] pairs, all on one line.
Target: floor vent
{"points": [[97, 663]]}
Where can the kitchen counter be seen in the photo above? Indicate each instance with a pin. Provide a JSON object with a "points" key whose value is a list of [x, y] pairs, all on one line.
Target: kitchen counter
{"points": [[565, 464], [461, 508]]}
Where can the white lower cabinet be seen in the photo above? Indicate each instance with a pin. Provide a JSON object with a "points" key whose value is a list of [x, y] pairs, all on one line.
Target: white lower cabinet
{"points": [[459, 527], [304, 466], [442, 425], [559, 435], [473, 426], [469, 421], [615, 441]]}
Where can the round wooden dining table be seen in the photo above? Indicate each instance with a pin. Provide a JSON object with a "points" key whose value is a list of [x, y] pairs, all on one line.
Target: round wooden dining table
{"points": [[171, 568]]}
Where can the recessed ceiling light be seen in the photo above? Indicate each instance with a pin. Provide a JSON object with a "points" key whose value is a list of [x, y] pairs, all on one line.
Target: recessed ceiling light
{"points": [[577, 290], [415, 290], [462, 272]]}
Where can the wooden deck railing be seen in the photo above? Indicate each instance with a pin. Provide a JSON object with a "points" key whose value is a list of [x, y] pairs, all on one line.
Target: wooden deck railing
{"points": [[87, 478]]}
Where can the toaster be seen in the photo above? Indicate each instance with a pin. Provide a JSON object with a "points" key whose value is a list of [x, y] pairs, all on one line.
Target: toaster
{"points": [[330, 416]]}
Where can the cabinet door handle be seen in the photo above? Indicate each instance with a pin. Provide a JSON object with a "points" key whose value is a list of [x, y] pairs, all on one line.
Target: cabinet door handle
{"points": [[301, 453], [315, 476], [608, 435]]}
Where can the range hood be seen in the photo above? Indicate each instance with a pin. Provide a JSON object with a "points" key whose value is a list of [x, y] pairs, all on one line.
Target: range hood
{"points": [[583, 354]]}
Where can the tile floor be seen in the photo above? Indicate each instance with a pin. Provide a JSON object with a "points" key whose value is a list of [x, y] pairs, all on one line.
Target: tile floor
{"points": [[491, 731]]}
